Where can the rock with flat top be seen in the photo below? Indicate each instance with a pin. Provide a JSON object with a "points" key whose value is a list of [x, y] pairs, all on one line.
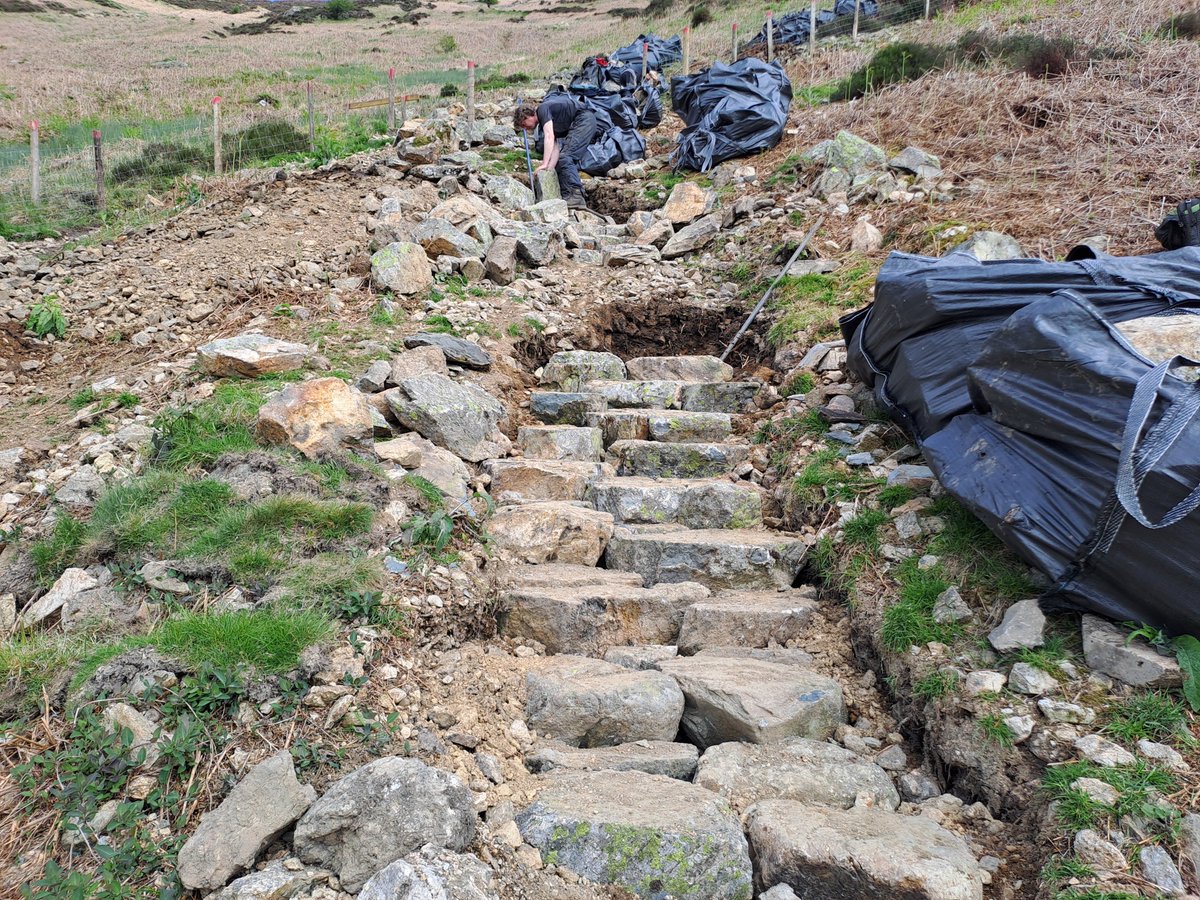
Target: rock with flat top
{"points": [[322, 417], [797, 769], [590, 703], [456, 350], [251, 355], [69, 585], [667, 758], [382, 812], [836, 854], [418, 361], [1022, 628], [561, 442], [679, 368], [459, 417], [692, 237], [747, 619], [687, 202], [552, 531], [654, 835], [229, 839], [1108, 649], [741, 699], [742, 558], [432, 874], [564, 407], [275, 881], [569, 369]]}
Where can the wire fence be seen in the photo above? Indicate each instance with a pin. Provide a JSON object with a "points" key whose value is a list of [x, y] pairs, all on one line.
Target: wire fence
{"points": [[124, 171]]}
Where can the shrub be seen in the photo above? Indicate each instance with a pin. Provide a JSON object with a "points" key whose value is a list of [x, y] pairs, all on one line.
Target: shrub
{"points": [[447, 44], [46, 317], [659, 7], [894, 64], [339, 10], [701, 15], [1184, 25], [448, 90]]}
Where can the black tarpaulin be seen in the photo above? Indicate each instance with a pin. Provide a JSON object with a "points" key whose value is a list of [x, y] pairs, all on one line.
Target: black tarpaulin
{"points": [[794, 27], [1033, 410], [731, 110], [662, 52]]}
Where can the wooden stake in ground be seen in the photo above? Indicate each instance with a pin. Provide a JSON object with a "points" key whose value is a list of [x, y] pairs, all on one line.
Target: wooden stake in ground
{"points": [[403, 109], [470, 99], [217, 161], [770, 37], [928, 10], [35, 166], [687, 50], [733, 55], [99, 157], [812, 27], [854, 29], [391, 120], [645, 57], [312, 119]]}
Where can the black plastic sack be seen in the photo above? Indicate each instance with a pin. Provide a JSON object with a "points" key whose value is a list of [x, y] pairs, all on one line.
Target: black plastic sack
{"points": [[614, 147], [589, 78], [662, 53], [1036, 414], [1181, 226], [794, 27], [730, 111], [618, 110], [651, 114]]}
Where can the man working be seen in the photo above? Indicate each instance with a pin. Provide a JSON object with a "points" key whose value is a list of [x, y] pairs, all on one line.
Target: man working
{"points": [[567, 128]]}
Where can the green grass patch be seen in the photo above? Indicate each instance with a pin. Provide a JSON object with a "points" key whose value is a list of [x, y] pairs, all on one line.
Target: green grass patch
{"points": [[894, 64], [801, 384], [1153, 716], [816, 94], [895, 495], [993, 728], [909, 620], [224, 423], [863, 530], [935, 685], [328, 578], [811, 304], [1048, 657], [825, 479], [979, 557], [1139, 785]]}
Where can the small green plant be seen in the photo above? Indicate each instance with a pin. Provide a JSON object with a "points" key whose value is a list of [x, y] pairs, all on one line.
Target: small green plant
{"points": [[1154, 716], [935, 685], [339, 10], [801, 384], [894, 64], [1187, 652], [127, 400], [447, 44], [1155, 637], [863, 529], [995, 729], [895, 495], [1064, 868], [431, 532], [910, 620], [82, 398], [46, 317]]}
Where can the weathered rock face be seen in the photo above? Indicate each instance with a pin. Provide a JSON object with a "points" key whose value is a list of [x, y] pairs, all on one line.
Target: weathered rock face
{"points": [[507, 192], [648, 833], [440, 238], [639, 394], [827, 854], [991, 245], [679, 368], [590, 703], [552, 532], [251, 356], [1021, 627], [230, 838], [660, 459], [418, 361], [402, 268], [630, 254], [740, 699], [746, 619], [274, 882], [391, 224], [561, 442], [319, 418], [570, 369], [426, 460], [797, 769], [693, 237], [70, 584], [455, 349], [576, 608], [692, 503], [847, 152], [688, 202], [652, 757], [718, 396], [431, 875], [500, 264], [379, 813], [1159, 338], [1106, 649], [527, 480], [461, 418]]}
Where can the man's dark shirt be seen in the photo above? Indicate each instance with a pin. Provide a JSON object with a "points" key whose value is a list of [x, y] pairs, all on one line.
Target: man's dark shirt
{"points": [[561, 111]]}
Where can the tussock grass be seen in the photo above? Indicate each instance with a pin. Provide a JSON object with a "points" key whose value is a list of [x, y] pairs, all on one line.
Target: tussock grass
{"points": [[909, 620]]}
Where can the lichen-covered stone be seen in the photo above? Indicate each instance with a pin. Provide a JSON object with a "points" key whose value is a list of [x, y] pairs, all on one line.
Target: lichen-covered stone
{"points": [[653, 835], [718, 558], [747, 619], [251, 356], [569, 369], [460, 417], [560, 442], [660, 459], [692, 503], [679, 368], [402, 268], [718, 396], [639, 394], [552, 531]]}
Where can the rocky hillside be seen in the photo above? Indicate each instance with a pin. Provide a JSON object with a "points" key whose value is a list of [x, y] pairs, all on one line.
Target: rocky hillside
{"points": [[377, 532]]}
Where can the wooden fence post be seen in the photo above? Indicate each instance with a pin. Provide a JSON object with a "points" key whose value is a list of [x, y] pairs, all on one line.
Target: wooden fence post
{"points": [[470, 99], [812, 27], [770, 37], [645, 57], [312, 119], [733, 57], [403, 109], [218, 162], [687, 50], [35, 167], [928, 10], [854, 29], [99, 157], [391, 100]]}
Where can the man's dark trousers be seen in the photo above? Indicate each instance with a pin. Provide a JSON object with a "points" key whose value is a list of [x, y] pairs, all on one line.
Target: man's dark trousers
{"points": [[582, 133]]}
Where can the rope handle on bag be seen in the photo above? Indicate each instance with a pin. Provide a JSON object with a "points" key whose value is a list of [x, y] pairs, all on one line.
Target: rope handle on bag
{"points": [[1137, 460]]}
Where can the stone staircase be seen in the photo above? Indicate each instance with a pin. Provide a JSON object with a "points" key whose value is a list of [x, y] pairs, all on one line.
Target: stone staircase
{"points": [[666, 607]]}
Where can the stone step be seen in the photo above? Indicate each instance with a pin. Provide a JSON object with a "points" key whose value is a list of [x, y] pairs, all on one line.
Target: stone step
{"points": [[549, 531], [718, 396], [721, 559], [678, 368], [665, 425], [693, 503], [569, 442], [747, 619], [661, 460], [564, 407], [655, 836], [638, 394], [653, 757], [740, 699], [525, 480], [591, 703], [578, 609], [818, 850], [569, 369]]}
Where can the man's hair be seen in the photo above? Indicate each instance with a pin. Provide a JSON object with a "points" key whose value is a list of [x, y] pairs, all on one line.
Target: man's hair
{"points": [[524, 111]]}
